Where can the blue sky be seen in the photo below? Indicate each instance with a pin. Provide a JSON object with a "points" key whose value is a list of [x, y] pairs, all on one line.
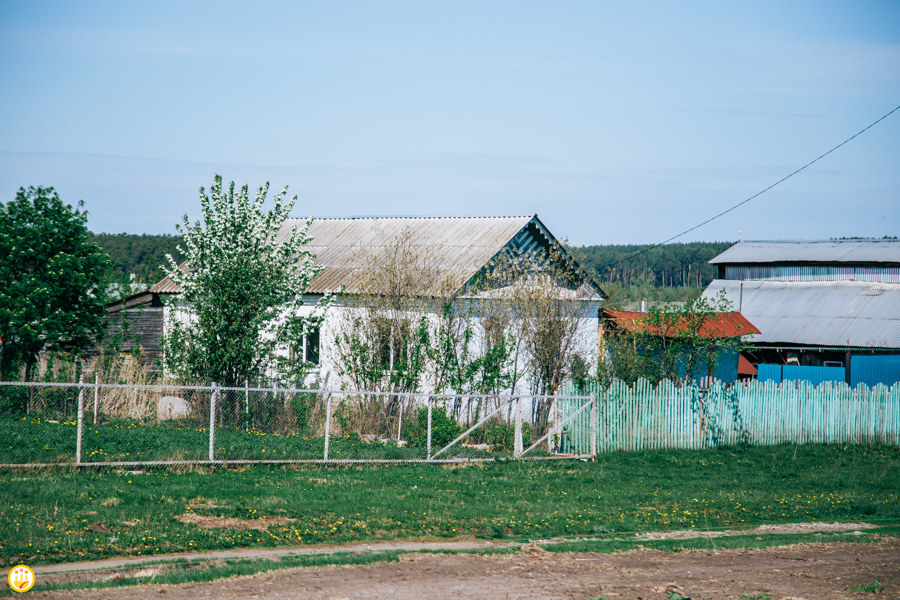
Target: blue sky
{"points": [[616, 122]]}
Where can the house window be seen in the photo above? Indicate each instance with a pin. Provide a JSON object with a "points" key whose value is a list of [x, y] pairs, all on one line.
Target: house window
{"points": [[311, 347], [307, 348]]}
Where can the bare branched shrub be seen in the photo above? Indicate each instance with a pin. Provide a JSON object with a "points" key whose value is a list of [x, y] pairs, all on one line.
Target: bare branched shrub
{"points": [[384, 341], [539, 305]]}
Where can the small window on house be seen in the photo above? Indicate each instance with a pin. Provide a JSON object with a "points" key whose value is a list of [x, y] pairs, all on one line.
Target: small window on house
{"points": [[311, 347], [306, 349]]}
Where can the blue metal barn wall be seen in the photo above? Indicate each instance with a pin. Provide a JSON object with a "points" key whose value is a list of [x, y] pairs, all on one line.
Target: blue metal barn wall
{"points": [[813, 375], [875, 368], [868, 369]]}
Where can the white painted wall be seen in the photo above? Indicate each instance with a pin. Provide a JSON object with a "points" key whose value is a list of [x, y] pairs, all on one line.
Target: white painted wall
{"points": [[327, 374], [338, 316]]}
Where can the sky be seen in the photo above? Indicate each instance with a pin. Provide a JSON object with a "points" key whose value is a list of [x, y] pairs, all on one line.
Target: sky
{"points": [[615, 122]]}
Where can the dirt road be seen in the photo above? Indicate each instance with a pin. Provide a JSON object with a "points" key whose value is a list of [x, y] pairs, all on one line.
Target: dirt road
{"points": [[816, 571]]}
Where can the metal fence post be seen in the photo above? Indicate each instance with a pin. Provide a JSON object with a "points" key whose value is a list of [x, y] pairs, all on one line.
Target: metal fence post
{"points": [[286, 403], [80, 420], [555, 439], [246, 405], [281, 420], [212, 423], [400, 420], [327, 424], [518, 445], [593, 428], [96, 395], [429, 427]]}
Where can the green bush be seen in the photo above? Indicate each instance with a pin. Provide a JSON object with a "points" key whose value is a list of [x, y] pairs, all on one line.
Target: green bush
{"points": [[13, 400], [500, 434], [302, 405], [444, 429], [496, 433]]}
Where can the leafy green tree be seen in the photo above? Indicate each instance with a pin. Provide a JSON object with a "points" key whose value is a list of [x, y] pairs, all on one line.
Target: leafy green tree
{"points": [[51, 279], [241, 289], [621, 359], [685, 343], [677, 345]]}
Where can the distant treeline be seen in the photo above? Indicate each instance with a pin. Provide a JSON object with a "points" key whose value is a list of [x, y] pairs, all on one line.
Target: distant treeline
{"points": [[672, 265], [140, 254]]}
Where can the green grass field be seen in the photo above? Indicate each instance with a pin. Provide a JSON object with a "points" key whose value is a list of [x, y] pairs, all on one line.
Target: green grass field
{"points": [[62, 515]]}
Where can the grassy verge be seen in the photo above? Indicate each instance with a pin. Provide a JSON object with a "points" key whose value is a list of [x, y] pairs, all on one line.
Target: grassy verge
{"points": [[64, 516]]}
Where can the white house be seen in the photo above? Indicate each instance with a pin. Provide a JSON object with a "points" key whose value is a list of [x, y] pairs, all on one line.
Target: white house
{"points": [[460, 250]]}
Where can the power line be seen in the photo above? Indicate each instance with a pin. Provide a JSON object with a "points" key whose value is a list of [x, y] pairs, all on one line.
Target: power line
{"points": [[761, 192]]}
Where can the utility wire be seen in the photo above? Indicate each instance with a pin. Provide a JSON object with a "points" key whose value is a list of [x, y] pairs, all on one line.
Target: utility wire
{"points": [[761, 192]]}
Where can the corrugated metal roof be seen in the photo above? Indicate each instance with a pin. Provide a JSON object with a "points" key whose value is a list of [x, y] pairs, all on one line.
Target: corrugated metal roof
{"points": [[834, 314], [166, 286], [455, 246], [840, 251], [724, 324]]}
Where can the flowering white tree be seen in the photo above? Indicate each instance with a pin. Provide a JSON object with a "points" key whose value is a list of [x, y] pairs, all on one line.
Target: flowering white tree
{"points": [[241, 288]]}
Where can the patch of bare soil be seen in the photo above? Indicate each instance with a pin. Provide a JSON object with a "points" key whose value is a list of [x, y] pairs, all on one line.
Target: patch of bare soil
{"points": [[815, 571], [207, 522], [785, 528]]}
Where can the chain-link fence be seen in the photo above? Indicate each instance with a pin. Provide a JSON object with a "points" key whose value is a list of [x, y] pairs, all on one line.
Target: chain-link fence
{"points": [[127, 425]]}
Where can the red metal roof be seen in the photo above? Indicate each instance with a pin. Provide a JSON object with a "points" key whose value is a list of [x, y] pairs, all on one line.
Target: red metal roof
{"points": [[723, 324], [745, 367]]}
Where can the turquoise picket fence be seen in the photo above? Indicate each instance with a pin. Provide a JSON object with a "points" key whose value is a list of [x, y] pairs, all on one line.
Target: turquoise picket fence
{"points": [[644, 416]]}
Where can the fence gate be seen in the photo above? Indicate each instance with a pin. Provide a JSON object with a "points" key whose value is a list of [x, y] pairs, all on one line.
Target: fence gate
{"points": [[576, 426]]}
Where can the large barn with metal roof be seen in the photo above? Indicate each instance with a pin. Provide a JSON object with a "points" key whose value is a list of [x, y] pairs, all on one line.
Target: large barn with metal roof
{"points": [[832, 306]]}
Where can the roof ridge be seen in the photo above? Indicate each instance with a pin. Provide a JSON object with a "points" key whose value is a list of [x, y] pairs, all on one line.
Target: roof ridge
{"points": [[843, 241], [436, 217]]}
